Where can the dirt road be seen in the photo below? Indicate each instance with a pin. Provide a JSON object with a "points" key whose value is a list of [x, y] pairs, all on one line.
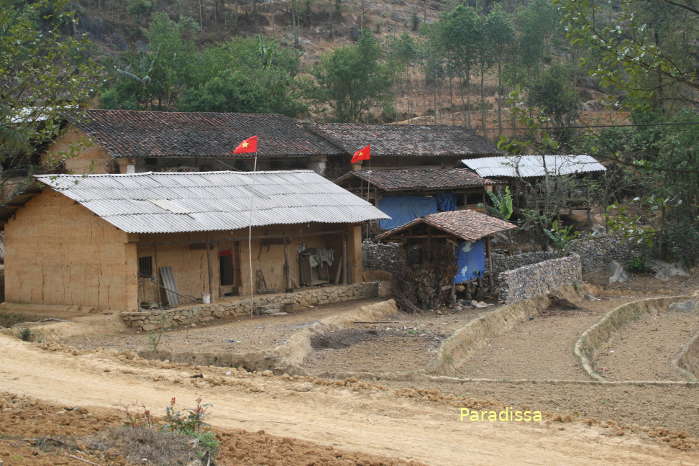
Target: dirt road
{"points": [[365, 420]]}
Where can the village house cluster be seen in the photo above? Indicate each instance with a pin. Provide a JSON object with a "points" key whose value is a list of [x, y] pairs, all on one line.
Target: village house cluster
{"points": [[151, 209]]}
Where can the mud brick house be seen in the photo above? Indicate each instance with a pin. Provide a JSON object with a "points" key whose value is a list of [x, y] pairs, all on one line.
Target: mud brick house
{"points": [[118, 241], [128, 141], [409, 193], [461, 236]]}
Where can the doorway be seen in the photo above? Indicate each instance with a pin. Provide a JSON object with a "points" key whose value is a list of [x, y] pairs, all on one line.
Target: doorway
{"points": [[229, 271]]}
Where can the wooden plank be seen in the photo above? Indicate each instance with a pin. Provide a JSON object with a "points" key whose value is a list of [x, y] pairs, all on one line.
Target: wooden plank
{"points": [[168, 280]]}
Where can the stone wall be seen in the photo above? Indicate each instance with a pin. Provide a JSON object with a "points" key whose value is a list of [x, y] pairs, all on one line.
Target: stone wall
{"points": [[381, 256], [596, 252], [501, 262], [202, 313], [539, 279]]}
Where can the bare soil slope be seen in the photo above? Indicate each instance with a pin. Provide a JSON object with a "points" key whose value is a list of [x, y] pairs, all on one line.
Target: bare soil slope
{"points": [[350, 415]]}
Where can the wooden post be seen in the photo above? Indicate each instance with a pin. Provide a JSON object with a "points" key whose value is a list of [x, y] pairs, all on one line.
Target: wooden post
{"points": [[490, 265], [157, 274], [208, 270], [345, 268]]}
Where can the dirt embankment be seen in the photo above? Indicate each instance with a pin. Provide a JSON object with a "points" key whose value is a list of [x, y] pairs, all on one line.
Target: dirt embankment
{"points": [[356, 416], [645, 349], [43, 434]]}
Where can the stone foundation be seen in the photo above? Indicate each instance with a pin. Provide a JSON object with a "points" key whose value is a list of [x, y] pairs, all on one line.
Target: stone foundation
{"points": [[539, 279], [201, 313]]}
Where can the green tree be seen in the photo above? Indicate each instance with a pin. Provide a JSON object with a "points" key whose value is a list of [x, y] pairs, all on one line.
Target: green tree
{"points": [[554, 92], [352, 79], [639, 48], [154, 78], [43, 73], [501, 36], [457, 38], [245, 75], [536, 25]]}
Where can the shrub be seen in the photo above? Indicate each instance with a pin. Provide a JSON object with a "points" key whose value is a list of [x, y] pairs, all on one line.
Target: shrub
{"points": [[25, 334]]}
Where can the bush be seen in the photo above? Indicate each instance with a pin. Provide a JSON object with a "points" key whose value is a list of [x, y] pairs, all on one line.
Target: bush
{"points": [[25, 334], [179, 438], [139, 7], [638, 264]]}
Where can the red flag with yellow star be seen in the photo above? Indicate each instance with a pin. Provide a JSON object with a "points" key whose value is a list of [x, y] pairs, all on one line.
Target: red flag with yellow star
{"points": [[362, 154], [247, 146]]}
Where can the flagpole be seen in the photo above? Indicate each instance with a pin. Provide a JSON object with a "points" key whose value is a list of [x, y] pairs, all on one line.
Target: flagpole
{"points": [[252, 278]]}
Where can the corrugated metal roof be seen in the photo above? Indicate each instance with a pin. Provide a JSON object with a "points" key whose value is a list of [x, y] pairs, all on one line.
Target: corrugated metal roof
{"points": [[515, 166], [210, 201]]}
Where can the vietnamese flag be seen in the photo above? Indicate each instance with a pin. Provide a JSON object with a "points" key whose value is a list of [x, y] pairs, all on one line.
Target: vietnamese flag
{"points": [[247, 146], [362, 154]]}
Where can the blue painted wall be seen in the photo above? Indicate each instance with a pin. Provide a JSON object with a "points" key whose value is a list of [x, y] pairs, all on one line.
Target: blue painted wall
{"points": [[470, 261], [405, 209]]}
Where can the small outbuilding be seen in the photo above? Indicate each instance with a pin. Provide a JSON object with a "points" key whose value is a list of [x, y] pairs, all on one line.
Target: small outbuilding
{"points": [[452, 248], [124, 241]]}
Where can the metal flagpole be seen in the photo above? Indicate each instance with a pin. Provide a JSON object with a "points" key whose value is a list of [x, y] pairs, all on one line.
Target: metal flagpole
{"points": [[252, 279]]}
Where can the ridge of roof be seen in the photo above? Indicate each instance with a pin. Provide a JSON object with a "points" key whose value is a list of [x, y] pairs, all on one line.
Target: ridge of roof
{"points": [[467, 224]]}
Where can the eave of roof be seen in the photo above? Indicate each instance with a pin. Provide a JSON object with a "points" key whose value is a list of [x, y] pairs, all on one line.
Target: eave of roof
{"points": [[533, 165], [489, 225], [417, 178], [212, 201]]}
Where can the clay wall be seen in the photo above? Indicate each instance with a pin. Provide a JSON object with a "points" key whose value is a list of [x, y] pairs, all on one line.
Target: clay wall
{"points": [[82, 155], [186, 254], [58, 252]]}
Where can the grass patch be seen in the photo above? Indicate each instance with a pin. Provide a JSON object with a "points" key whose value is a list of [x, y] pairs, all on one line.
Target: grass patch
{"points": [[8, 319]]}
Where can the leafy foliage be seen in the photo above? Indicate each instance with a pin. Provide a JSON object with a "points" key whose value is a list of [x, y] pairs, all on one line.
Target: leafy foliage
{"points": [[352, 79], [43, 73], [241, 75], [502, 204], [637, 48], [561, 235]]}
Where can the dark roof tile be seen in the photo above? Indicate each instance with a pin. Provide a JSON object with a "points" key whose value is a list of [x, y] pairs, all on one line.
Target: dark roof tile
{"points": [[417, 178], [407, 140], [132, 133], [468, 225]]}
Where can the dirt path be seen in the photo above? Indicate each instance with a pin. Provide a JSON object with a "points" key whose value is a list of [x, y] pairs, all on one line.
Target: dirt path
{"points": [[541, 348], [369, 421], [644, 349]]}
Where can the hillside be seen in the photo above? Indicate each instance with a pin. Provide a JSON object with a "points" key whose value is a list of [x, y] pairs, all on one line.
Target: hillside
{"points": [[316, 27]]}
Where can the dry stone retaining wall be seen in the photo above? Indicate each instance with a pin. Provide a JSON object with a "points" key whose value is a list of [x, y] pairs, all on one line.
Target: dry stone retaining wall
{"points": [[502, 262], [596, 252], [381, 256], [285, 358], [202, 313], [539, 279]]}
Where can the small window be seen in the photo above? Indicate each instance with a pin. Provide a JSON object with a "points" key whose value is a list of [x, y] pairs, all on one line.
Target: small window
{"points": [[145, 266]]}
